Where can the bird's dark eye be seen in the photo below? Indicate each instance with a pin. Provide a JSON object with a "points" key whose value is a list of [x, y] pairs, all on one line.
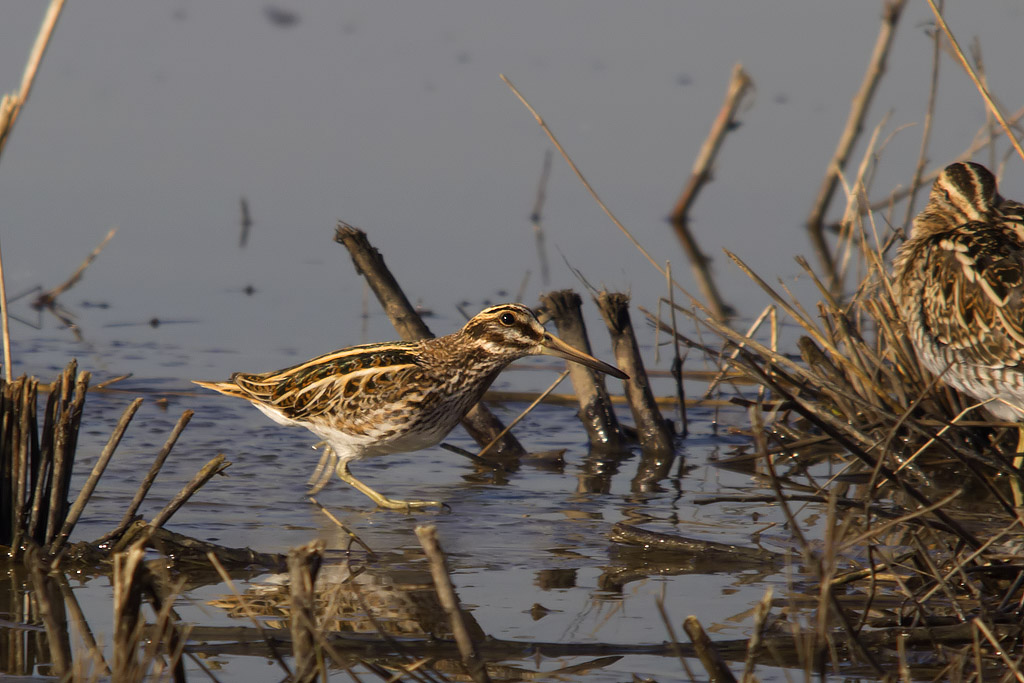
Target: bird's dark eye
{"points": [[507, 319]]}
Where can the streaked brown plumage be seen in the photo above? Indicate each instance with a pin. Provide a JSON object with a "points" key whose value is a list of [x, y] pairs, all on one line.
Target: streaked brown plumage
{"points": [[395, 397], [959, 281]]}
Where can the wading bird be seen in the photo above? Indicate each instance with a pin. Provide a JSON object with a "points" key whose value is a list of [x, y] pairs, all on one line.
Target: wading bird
{"points": [[959, 282], [400, 396]]}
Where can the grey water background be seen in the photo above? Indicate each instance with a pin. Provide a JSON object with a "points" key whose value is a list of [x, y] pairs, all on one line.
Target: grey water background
{"points": [[157, 117]]}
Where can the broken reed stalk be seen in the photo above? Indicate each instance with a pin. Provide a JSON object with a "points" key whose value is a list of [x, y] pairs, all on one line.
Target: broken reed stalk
{"points": [[854, 124], [154, 470], [739, 83], [304, 564], [210, 469], [475, 667], [479, 422], [654, 432], [35, 470], [97, 471], [596, 410], [65, 441], [713, 663]]}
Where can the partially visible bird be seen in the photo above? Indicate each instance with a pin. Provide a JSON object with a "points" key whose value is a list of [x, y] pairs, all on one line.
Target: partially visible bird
{"points": [[400, 396], [959, 283]]}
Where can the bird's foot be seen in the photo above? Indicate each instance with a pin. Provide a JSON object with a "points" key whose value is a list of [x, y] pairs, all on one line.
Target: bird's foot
{"points": [[379, 498]]}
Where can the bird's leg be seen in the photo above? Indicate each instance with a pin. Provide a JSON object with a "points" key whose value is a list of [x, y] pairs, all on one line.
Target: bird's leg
{"points": [[379, 499], [322, 474]]}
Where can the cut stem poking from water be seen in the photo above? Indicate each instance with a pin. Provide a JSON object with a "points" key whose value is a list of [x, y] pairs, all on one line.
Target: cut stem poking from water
{"points": [[654, 431], [596, 410], [739, 84]]}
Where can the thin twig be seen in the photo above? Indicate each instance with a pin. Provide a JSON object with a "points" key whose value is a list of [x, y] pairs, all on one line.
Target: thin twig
{"points": [[526, 411], [989, 102], [929, 117], [760, 617], [154, 470], [677, 358], [589, 187], [215, 466], [49, 299], [10, 108], [348, 532], [981, 140]]}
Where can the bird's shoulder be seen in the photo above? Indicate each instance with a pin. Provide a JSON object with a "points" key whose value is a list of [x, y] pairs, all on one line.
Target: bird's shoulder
{"points": [[972, 288]]}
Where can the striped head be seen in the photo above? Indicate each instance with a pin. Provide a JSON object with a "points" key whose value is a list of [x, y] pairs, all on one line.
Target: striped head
{"points": [[509, 331], [963, 192]]}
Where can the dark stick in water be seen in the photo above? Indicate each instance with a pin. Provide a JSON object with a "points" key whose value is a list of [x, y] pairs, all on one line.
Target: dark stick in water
{"points": [[481, 424], [596, 411]]}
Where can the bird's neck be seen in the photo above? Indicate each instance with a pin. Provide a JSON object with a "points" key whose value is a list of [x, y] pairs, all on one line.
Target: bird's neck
{"points": [[458, 351]]}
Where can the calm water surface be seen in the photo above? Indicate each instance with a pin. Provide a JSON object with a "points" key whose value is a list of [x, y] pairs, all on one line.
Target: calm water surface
{"points": [[158, 117]]}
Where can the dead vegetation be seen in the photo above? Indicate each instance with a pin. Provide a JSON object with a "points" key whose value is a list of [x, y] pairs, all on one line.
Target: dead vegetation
{"points": [[916, 570]]}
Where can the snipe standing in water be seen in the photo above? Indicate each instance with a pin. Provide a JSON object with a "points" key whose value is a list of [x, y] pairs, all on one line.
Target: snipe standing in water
{"points": [[959, 282], [400, 396]]}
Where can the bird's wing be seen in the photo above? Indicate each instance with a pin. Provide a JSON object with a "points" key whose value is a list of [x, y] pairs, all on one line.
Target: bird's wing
{"points": [[353, 379], [972, 291]]}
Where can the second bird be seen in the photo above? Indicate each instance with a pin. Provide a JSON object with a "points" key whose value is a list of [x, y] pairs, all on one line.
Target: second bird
{"points": [[959, 282]]}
